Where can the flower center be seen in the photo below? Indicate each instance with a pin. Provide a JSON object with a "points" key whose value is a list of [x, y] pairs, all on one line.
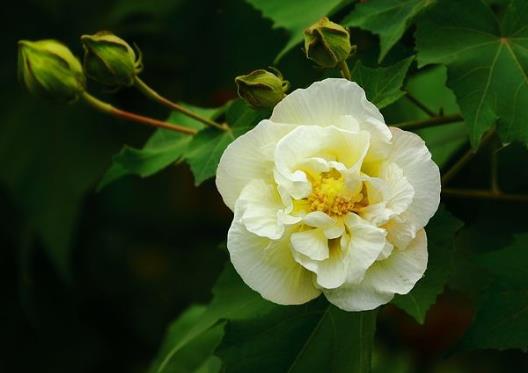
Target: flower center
{"points": [[330, 195]]}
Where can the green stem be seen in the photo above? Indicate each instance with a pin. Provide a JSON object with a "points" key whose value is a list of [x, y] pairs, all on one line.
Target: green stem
{"points": [[454, 170], [431, 122], [345, 71], [420, 104], [152, 94], [106, 108], [495, 170]]}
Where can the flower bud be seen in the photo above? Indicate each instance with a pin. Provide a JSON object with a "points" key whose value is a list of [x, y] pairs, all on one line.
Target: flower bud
{"points": [[327, 43], [49, 69], [262, 88], [109, 60]]}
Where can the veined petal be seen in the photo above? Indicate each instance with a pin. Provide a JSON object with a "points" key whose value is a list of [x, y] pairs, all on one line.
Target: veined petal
{"points": [[390, 194], [410, 153], [332, 272], [395, 275], [249, 157], [364, 246], [267, 266], [331, 227], [304, 142], [260, 209], [311, 243], [322, 103]]}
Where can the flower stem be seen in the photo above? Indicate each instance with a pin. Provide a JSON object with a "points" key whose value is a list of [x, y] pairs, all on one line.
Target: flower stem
{"points": [[431, 122], [420, 104], [495, 170], [152, 94], [106, 108], [484, 194], [465, 159], [345, 71]]}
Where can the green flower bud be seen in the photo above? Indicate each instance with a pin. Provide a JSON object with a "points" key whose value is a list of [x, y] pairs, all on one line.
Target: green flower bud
{"points": [[109, 60], [262, 88], [49, 69], [327, 43]]}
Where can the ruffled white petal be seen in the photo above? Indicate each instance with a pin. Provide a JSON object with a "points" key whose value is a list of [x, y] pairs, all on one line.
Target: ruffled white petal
{"points": [[410, 153], [249, 157], [261, 211], [324, 102], [268, 267], [331, 227], [395, 275], [365, 244], [311, 243], [329, 143]]}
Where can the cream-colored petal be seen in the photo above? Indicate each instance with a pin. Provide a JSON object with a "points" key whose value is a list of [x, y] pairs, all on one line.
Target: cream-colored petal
{"points": [[395, 275], [401, 231], [260, 209], [249, 157], [410, 153], [324, 102], [332, 272], [331, 227], [305, 142], [312, 243], [402, 269], [386, 252], [364, 246], [389, 195], [268, 267]]}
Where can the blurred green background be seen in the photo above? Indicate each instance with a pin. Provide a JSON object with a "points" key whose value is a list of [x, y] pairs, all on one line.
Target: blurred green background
{"points": [[91, 280]]}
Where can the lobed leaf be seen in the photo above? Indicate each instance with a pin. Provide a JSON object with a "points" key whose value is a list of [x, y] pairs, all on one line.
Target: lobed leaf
{"points": [[487, 62], [386, 18], [382, 84]]}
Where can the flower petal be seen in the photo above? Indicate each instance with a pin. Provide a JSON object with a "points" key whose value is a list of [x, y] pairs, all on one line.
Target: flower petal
{"points": [[268, 267], [324, 102], [249, 157], [365, 245], [260, 209], [311, 243], [395, 275], [410, 153], [304, 142], [331, 227]]}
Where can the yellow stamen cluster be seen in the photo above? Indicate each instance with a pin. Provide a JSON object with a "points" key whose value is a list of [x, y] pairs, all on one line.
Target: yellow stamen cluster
{"points": [[330, 196]]}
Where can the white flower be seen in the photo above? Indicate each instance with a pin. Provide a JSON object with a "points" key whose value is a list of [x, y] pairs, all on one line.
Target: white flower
{"points": [[327, 198]]}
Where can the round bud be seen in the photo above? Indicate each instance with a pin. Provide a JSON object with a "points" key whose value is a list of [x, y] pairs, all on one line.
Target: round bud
{"points": [[262, 88], [109, 60], [49, 69], [327, 43]]}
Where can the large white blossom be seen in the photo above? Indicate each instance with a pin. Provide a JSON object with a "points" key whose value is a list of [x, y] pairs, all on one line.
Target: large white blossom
{"points": [[328, 199]]}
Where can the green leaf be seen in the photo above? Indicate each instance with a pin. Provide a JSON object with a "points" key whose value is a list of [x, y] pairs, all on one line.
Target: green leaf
{"points": [[487, 62], [429, 87], [501, 321], [206, 147], [164, 148], [294, 16], [232, 300], [383, 84], [440, 237], [386, 18], [192, 356], [315, 337]]}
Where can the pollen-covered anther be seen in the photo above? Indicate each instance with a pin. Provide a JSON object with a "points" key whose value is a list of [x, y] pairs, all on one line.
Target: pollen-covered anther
{"points": [[329, 195]]}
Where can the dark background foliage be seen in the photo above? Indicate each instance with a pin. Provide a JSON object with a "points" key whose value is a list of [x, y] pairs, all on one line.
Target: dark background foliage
{"points": [[92, 280]]}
